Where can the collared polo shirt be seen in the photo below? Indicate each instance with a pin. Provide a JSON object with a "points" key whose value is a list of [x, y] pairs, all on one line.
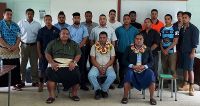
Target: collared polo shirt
{"points": [[97, 30], [46, 35], [78, 33], [29, 30], [102, 59], [60, 26], [59, 50], [89, 26], [125, 37]]}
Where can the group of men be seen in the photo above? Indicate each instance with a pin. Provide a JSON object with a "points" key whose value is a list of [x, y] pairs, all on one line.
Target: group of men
{"points": [[63, 51]]}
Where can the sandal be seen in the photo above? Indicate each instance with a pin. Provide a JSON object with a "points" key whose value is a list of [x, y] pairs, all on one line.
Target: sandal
{"points": [[50, 100], [124, 100], [153, 101], [75, 98], [17, 87]]}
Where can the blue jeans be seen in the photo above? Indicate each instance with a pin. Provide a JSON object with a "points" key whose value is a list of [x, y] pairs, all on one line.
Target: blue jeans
{"points": [[94, 73]]}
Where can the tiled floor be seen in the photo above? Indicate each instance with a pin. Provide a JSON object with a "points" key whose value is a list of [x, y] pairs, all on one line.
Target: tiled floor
{"points": [[30, 97]]}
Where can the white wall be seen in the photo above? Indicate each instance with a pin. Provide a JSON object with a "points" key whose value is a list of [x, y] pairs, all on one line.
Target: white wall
{"points": [[143, 8], [19, 7], [97, 7]]}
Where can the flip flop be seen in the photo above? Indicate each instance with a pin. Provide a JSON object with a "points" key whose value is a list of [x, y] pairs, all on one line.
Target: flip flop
{"points": [[124, 100], [50, 100], [153, 101], [75, 98]]}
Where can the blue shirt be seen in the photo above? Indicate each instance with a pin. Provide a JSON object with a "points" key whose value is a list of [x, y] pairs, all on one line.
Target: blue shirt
{"points": [[167, 36], [60, 26], [78, 33], [46, 35], [9, 33], [125, 37]]}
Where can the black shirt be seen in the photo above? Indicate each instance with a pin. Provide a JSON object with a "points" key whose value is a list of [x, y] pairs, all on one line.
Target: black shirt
{"points": [[188, 38], [150, 38], [46, 35], [137, 25]]}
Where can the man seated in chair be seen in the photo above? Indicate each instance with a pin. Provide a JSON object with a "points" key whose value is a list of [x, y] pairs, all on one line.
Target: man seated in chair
{"points": [[102, 57], [138, 58], [63, 54]]}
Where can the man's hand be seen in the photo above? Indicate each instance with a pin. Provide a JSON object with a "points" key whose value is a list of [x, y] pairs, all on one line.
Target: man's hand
{"points": [[54, 66], [141, 67], [136, 68], [165, 51], [13, 48], [192, 55], [72, 65]]}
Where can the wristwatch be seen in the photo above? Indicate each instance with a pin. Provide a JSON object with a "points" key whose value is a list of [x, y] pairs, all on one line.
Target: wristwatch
{"points": [[74, 62]]}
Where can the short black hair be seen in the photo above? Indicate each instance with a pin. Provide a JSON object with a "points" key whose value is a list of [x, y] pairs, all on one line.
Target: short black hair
{"points": [[61, 13], [132, 12], [102, 15], [112, 10], [88, 12], [126, 15], [187, 13], [149, 19], [30, 10], [76, 14], [168, 15], [7, 10], [154, 10], [47, 16], [103, 32], [179, 12], [64, 29]]}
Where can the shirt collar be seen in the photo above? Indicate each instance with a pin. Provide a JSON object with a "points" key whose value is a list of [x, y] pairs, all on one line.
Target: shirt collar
{"points": [[28, 22], [103, 27]]}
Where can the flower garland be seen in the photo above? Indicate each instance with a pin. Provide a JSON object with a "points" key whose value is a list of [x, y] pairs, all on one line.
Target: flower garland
{"points": [[103, 50], [140, 50]]}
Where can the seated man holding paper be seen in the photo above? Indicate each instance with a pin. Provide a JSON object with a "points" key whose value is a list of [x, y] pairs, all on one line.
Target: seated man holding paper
{"points": [[63, 54], [138, 59]]}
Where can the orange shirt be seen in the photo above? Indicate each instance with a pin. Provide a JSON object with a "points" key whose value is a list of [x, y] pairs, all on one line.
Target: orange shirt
{"points": [[157, 26]]}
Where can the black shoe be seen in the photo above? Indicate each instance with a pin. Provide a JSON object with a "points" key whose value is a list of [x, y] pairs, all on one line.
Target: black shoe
{"points": [[112, 86], [104, 94], [35, 84], [85, 88], [22, 84], [97, 94], [120, 86], [65, 89], [116, 82]]}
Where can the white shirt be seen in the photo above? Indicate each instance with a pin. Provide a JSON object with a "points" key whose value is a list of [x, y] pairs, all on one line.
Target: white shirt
{"points": [[29, 31], [97, 30], [102, 59], [114, 25]]}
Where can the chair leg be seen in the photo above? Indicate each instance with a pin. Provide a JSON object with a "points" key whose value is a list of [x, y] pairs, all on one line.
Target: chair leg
{"points": [[175, 86], [129, 94], [161, 89], [58, 89], [143, 92], [70, 91], [172, 88], [158, 92]]}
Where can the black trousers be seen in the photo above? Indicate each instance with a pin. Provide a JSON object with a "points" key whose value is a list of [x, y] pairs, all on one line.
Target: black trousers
{"points": [[122, 67], [15, 73], [82, 66]]}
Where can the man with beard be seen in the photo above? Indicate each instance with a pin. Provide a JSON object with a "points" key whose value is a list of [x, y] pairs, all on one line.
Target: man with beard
{"points": [[79, 34], [61, 21]]}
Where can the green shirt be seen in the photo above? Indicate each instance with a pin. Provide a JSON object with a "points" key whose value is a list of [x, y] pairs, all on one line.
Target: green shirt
{"points": [[59, 50]]}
